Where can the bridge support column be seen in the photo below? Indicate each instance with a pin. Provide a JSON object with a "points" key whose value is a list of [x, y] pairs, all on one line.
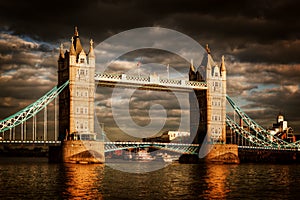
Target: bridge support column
{"points": [[213, 153], [79, 151], [222, 153]]}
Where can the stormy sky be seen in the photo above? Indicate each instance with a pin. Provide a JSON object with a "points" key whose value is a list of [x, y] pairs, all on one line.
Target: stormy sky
{"points": [[260, 40]]}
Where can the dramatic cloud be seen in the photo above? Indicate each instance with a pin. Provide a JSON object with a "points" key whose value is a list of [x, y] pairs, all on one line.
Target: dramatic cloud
{"points": [[260, 41]]}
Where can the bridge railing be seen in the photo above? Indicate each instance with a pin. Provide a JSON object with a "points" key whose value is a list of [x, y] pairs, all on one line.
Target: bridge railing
{"points": [[151, 143], [150, 80], [30, 142]]}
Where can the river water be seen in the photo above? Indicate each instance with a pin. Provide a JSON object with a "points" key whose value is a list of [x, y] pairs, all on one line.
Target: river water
{"points": [[35, 178]]}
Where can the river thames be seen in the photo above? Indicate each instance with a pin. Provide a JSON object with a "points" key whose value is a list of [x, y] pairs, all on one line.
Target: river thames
{"points": [[35, 178]]}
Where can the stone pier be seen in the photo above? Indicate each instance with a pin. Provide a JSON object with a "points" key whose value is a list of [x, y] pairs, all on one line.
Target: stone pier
{"points": [[223, 154], [79, 151]]}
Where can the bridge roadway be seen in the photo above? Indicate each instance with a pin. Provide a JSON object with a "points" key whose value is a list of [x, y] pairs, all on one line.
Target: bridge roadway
{"points": [[151, 82], [112, 146]]}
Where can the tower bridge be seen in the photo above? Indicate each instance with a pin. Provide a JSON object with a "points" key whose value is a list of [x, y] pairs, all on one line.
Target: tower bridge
{"points": [[74, 112]]}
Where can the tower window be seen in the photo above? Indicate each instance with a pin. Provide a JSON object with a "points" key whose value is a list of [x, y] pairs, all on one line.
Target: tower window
{"points": [[81, 60], [85, 125]]}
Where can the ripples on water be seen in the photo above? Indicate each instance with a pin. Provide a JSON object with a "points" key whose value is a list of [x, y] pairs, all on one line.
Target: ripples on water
{"points": [[34, 178]]}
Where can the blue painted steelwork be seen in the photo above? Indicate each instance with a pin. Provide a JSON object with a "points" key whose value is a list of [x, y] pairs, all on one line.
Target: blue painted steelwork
{"points": [[257, 135], [174, 147], [31, 110]]}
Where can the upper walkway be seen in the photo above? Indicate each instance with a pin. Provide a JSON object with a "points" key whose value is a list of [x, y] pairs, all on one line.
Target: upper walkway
{"points": [[151, 82]]}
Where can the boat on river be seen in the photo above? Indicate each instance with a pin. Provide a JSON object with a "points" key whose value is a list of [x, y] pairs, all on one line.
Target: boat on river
{"points": [[143, 155]]}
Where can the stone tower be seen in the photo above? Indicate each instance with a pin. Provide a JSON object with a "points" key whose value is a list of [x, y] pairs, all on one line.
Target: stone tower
{"points": [[211, 102], [76, 102], [209, 129]]}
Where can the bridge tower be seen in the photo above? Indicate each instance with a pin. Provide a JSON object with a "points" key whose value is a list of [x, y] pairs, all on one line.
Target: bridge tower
{"points": [[211, 102], [210, 106], [76, 103]]}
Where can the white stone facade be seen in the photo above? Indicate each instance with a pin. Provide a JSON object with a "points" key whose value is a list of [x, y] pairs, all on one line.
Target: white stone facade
{"points": [[216, 100], [82, 93]]}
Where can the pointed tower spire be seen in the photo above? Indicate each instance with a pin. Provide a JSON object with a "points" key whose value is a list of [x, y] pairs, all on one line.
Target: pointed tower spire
{"points": [[192, 68], [91, 51], [192, 72], [223, 67], [76, 42], [61, 51], [207, 49], [72, 49], [76, 31]]}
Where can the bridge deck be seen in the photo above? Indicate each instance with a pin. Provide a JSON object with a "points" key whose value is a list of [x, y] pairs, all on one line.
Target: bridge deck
{"points": [[148, 82], [29, 142]]}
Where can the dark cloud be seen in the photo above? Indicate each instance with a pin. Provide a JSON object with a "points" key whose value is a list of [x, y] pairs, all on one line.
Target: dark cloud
{"points": [[282, 51], [260, 41], [248, 27]]}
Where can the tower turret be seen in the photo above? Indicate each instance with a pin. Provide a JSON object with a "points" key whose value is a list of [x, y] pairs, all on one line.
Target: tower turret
{"points": [[72, 52], [223, 68], [223, 99], [76, 42], [192, 72], [91, 54], [61, 52]]}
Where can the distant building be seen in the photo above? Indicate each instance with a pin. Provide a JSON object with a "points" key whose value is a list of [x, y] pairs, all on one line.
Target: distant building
{"points": [[163, 138], [179, 136], [171, 136], [282, 131]]}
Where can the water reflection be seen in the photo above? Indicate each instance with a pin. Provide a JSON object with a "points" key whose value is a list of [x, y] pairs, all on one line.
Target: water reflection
{"points": [[83, 181], [35, 178], [216, 178]]}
